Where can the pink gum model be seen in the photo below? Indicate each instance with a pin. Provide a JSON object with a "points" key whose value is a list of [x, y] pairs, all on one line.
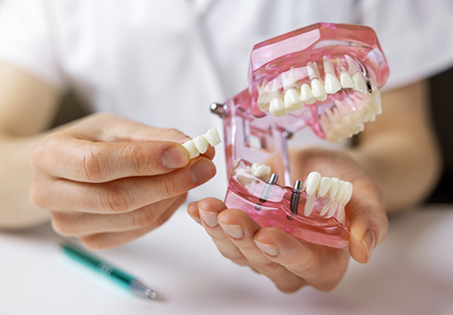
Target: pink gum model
{"points": [[324, 76]]}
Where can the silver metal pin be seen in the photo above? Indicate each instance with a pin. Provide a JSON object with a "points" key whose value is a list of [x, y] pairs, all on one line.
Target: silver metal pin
{"points": [[219, 109]]}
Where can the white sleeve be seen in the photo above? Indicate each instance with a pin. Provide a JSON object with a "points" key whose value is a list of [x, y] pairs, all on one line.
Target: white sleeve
{"points": [[26, 39], [416, 36]]}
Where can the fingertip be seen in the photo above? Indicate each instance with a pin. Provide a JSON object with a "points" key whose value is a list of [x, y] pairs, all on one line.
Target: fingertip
{"points": [[211, 205], [362, 244], [192, 209]]}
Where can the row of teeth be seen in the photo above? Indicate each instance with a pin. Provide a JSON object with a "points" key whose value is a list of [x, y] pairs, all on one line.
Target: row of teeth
{"points": [[295, 98], [199, 145], [337, 192], [341, 121]]}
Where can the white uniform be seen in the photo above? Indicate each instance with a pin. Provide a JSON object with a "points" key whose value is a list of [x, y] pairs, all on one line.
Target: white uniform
{"points": [[164, 62]]}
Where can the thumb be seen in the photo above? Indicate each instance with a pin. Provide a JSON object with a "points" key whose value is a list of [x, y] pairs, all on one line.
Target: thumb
{"points": [[368, 221]]}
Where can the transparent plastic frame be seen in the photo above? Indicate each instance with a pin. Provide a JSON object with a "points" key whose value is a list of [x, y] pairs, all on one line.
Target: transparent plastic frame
{"points": [[253, 134]]}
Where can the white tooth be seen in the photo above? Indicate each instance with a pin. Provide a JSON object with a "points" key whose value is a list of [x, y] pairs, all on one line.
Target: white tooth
{"points": [[325, 125], [318, 90], [346, 80], [313, 180], [212, 135], [327, 206], [324, 186], [352, 65], [277, 107], [341, 215], [347, 195], [292, 100], [341, 191], [263, 106], [334, 208], [201, 143], [328, 66], [332, 84], [260, 170], [359, 82], [312, 183], [309, 204], [313, 71], [191, 148], [306, 94], [335, 184], [289, 78]]}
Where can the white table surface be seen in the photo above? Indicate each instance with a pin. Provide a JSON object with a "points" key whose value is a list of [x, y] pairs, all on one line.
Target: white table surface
{"points": [[410, 273]]}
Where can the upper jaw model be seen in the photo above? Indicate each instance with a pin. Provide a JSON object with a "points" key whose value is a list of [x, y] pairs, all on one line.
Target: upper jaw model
{"points": [[324, 76]]}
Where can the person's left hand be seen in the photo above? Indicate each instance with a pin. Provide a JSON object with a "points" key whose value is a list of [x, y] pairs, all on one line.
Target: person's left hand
{"points": [[288, 262]]}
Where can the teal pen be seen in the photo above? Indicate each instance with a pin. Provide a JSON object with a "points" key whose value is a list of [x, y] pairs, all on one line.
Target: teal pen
{"points": [[118, 276]]}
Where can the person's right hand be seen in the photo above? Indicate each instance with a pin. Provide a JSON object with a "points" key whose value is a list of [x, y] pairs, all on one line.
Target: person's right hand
{"points": [[108, 180]]}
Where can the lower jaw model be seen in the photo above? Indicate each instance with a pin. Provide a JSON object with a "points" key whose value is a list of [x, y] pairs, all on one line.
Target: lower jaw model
{"points": [[324, 76]]}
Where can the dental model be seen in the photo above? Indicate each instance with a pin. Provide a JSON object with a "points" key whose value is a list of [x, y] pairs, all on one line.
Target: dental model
{"points": [[200, 144], [324, 76]]}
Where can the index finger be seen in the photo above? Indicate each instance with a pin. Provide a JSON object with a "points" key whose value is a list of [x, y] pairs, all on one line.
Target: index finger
{"points": [[86, 161]]}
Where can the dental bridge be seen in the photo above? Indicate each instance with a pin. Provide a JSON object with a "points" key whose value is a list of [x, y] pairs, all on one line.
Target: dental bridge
{"points": [[324, 76]]}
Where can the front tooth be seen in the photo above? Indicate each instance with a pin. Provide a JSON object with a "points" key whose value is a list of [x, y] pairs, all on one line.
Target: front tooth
{"points": [[341, 190], [277, 107], [201, 143], [346, 80], [292, 100], [359, 82], [332, 84], [191, 148], [313, 180], [306, 94], [260, 170], [212, 136], [347, 195], [335, 184], [318, 90], [324, 186]]}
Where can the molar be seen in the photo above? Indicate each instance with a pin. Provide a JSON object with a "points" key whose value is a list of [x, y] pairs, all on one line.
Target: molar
{"points": [[260, 170], [292, 100], [277, 107]]}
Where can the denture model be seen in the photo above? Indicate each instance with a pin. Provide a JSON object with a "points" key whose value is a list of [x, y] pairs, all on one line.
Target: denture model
{"points": [[324, 76]]}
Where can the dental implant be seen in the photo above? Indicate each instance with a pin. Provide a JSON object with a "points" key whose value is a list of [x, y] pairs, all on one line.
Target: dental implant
{"points": [[266, 191], [295, 197]]}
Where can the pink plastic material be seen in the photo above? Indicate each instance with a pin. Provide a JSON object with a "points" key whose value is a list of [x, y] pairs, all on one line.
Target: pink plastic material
{"points": [[253, 135]]}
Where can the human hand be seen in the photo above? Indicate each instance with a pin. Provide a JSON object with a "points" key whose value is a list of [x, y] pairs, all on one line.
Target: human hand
{"points": [[288, 262], [108, 180]]}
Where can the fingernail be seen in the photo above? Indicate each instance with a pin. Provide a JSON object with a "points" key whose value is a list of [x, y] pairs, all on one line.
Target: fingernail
{"points": [[175, 157], [234, 231], [267, 248], [210, 218], [201, 172], [370, 242]]}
